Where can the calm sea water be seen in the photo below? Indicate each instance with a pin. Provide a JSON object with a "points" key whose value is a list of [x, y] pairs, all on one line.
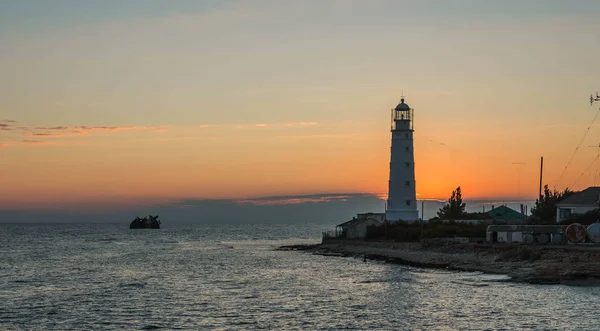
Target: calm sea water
{"points": [[190, 277]]}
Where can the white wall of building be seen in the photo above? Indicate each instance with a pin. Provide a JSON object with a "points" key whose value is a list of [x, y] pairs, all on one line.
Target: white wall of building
{"points": [[358, 230], [563, 210], [402, 198], [508, 237]]}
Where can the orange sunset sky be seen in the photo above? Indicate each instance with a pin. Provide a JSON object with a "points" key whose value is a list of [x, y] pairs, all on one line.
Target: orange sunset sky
{"points": [[152, 100]]}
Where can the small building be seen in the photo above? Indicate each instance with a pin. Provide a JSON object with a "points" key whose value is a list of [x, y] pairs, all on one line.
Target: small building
{"points": [[578, 203], [506, 215], [377, 216], [525, 234], [473, 221], [356, 228]]}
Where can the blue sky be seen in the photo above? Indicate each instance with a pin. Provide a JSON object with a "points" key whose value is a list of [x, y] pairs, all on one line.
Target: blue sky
{"points": [[230, 97], [249, 58], [41, 14]]}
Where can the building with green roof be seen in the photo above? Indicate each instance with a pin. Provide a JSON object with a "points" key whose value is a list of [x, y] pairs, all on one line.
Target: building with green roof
{"points": [[506, 215]]}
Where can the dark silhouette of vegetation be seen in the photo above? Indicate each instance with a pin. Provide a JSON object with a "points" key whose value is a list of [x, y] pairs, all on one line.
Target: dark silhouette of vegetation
{"points": [[588, 218], [403, 231], [455, 208], [397, 231], [468, 216], [544, 211]]}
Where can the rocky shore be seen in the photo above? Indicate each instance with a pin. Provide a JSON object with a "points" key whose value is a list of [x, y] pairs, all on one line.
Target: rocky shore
{"points": [[568, 264]]}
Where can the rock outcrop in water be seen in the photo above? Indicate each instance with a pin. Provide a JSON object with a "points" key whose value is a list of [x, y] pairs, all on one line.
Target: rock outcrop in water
{"points": [[150, 222]]}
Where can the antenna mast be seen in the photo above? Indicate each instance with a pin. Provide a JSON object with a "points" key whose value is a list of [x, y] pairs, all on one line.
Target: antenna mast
{"points": [[541, 172], [592, 98]]}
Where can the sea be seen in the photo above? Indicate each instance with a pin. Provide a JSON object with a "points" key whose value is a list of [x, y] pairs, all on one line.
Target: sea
{"points": [[230, 277]]}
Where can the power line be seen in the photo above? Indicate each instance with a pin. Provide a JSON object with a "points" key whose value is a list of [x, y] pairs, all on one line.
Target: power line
{"points": [[586, 170], [577, 148], [597, 155], [597, 146], [434, 141], [516, 164]]}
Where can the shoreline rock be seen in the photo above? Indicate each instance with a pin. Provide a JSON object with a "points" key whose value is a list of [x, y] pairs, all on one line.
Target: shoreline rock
{"points": [[297, 247], [567, 265]]}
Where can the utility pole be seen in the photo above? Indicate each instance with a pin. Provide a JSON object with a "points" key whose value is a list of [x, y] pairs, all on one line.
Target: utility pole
{"points": [[385, 222], [422, 217], [541, 172]]}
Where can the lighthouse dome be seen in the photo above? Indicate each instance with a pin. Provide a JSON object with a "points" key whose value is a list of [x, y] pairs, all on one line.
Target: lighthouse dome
{"points": [[402, 105]]}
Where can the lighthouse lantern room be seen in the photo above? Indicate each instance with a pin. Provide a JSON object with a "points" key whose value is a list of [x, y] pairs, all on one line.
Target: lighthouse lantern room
{"points": [[402, 201]]}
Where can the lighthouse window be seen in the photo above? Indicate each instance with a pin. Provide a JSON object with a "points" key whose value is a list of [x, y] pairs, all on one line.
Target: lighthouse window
{"points": [[407, 149], [408, 202], [407, 183], [406, 135], [407, 164]]}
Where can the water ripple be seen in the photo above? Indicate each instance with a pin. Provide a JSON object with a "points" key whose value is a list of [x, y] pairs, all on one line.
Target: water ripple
{"points": [[73, 277]]}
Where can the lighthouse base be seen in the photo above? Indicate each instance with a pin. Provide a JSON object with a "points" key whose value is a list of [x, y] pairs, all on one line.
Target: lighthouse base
{"points": [[409, 216]]}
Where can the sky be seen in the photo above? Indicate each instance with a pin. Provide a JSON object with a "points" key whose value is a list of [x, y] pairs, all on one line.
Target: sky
{"points": [[123, 103]]}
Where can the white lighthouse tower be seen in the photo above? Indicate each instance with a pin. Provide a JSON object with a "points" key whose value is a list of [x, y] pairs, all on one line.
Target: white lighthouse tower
{"points": [[402, 197]]}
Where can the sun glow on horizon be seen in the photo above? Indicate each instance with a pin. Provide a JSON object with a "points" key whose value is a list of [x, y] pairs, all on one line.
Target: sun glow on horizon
{"points": [[265, 163], [132, 108]]}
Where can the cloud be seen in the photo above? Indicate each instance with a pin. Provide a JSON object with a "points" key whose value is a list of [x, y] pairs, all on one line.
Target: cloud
{"points": [[73, 133], [382, 195], [122, 128], [36, 142], [45, 134], [7, 125], [158, 129], [259, 125], [51, 128], [108, 128], [51, 132], [123, 209], [326, 208], [301, 124], [316, 136], [92, 128], [295, 200], [80, 133]]}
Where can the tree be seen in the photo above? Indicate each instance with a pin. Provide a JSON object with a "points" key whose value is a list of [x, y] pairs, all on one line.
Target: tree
{"points": [[455, 207], [544, 210]]}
